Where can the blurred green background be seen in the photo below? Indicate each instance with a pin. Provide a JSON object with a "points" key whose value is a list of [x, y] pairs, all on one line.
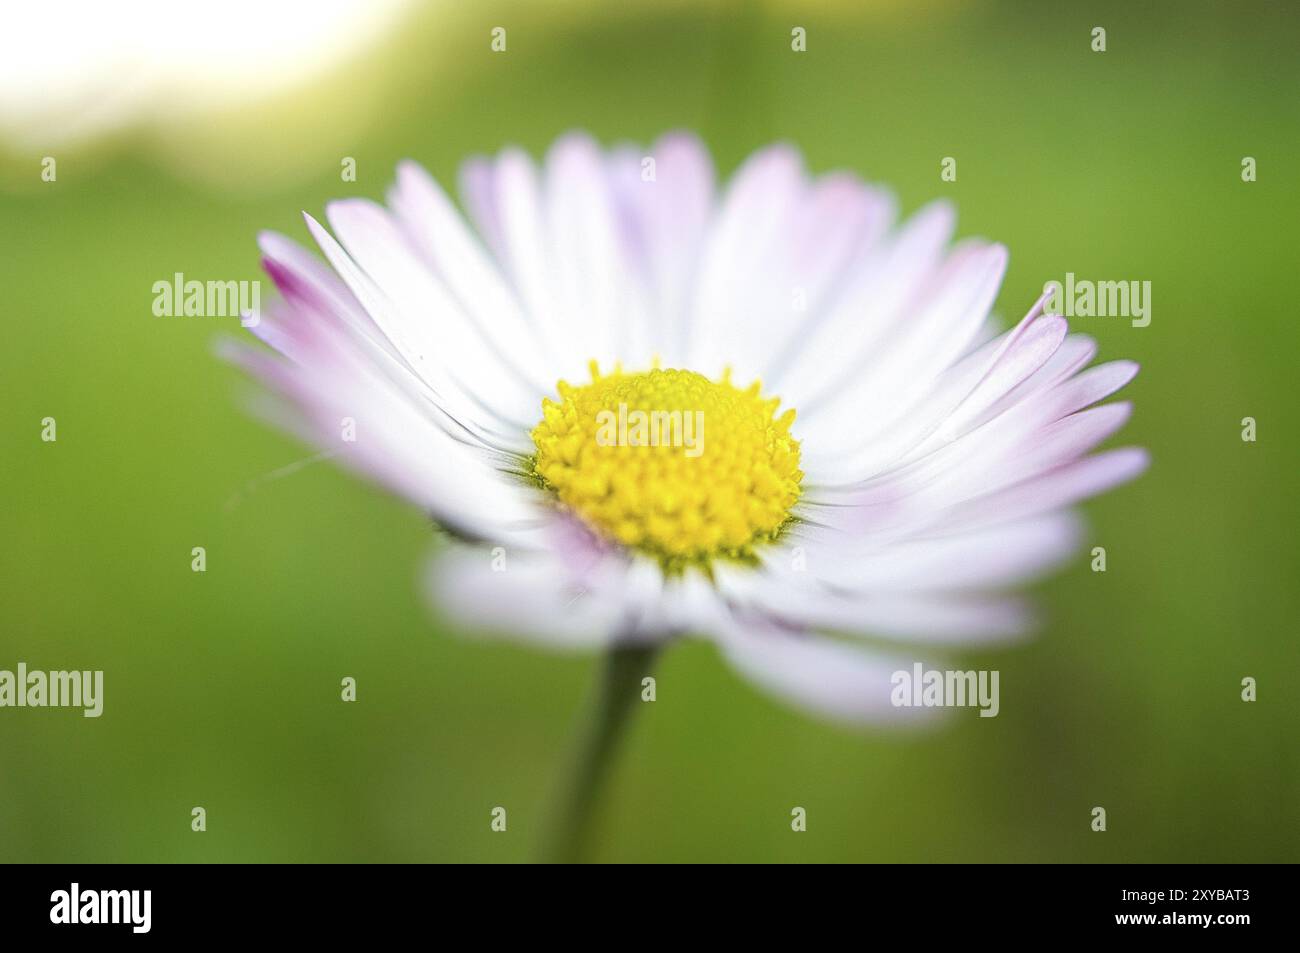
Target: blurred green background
{"points": [[222, 688]]}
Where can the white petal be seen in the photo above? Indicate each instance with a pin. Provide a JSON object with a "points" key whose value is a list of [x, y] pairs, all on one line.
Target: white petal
{"points": [[469, 272], [959, 399], [802, 601], [400, 447], [455, 351], [761, 199], [912, 357], [595, 289], [1060, 487], [536, 598], [841, 347], [827, 678], [996, 557], [527, 256], [667, 218], [413, 342]]}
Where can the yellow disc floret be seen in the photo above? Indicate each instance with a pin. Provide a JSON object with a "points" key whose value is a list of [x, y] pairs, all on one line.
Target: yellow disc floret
{"points": [[670, 463]]}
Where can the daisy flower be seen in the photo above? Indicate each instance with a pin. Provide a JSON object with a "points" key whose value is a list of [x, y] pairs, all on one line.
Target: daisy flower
{"points": [[647, 406]]}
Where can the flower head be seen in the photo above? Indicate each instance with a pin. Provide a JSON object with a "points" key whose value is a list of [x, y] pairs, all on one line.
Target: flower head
{"points": [[642, 478], [646, 408]]}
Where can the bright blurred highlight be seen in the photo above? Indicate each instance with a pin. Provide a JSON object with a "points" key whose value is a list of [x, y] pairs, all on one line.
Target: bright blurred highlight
{"points": [[71, 70]]}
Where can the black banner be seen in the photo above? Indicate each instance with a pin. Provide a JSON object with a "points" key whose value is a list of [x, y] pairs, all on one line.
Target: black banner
{"points": [[142, 903]]}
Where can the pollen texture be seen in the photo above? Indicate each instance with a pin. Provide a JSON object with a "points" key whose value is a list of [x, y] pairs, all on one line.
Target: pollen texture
{"points": [[670, 463]]}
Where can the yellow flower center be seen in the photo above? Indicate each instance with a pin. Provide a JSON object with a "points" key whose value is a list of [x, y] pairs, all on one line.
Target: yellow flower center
{"points": [[670, 463]]}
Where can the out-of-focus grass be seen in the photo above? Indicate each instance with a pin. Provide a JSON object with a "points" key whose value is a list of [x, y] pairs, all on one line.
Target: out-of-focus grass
{"points": [[222, 688]]}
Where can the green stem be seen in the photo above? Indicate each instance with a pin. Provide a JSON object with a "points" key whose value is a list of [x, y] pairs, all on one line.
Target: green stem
{"points": [[617, 690]]}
